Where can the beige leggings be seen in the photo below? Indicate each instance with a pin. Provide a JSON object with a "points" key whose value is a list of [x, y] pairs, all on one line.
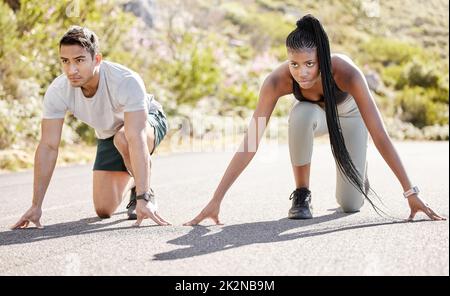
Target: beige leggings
{"points": [[307, 120]]}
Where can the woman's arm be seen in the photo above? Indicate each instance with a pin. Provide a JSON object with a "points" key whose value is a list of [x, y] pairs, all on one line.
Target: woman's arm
{"points": [[270, 92], [352, 80]]}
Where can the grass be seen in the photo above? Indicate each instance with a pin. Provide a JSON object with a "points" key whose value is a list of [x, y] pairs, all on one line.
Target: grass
{"points": [[14, 160]]}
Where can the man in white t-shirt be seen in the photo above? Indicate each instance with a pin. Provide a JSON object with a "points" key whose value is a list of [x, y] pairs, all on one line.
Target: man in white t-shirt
{"points": [[128, 124]]}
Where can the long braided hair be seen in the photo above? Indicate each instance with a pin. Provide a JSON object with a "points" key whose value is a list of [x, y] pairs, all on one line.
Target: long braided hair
{"points": [[310, 34]]}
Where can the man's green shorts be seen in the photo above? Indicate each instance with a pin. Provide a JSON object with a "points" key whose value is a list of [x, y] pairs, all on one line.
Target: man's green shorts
{"points": [[108, 157]]}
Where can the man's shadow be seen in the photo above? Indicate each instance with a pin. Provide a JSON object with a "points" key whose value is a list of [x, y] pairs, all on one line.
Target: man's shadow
{"points": [[82, 226], [199, 242]]}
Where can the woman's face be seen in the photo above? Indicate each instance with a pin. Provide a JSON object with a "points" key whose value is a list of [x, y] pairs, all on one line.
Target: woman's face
{"points": [[304, 66]]}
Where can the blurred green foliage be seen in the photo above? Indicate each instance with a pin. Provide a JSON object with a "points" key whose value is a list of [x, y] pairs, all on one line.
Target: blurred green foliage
{"points": [[221, 51], [419, 77], [193, 72]]}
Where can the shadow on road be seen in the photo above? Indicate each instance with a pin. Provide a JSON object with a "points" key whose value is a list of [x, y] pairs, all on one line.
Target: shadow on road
{"points": [[200, 242], [83, 226]]}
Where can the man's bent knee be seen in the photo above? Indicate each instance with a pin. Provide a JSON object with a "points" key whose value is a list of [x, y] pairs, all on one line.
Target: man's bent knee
{"points": [[120, 141], [103, 213]]}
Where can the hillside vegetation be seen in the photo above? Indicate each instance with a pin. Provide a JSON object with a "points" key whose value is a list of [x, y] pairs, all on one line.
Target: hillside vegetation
{"points": [[212, 56]]}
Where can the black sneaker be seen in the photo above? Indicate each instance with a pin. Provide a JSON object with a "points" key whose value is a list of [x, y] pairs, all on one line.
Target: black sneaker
{"points": [[131, 207], [301, 204]]}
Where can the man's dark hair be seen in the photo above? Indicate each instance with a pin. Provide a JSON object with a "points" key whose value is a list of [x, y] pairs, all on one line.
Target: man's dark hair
{"points": [[83, 37]]}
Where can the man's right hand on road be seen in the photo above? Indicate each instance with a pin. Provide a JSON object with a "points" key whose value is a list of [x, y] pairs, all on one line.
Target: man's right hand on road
{"points": [[33, 215], [147, 210]]}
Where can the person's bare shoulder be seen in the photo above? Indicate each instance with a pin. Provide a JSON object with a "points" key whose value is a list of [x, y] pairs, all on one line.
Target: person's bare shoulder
{"points": [[344, 69], [280, 80]]}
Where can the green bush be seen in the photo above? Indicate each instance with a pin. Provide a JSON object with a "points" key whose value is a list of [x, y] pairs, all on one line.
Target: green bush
{"points": [[193, 73], [389, 52], [242, 95], [7, 126], [392, 76], [19, 122], [416, 106], [416, 74], [15, 160], [9, 55], [421, 83], [86, 133]]}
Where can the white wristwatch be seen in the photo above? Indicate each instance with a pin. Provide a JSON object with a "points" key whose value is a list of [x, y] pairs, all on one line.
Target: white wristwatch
{"points": [[414, 190]]}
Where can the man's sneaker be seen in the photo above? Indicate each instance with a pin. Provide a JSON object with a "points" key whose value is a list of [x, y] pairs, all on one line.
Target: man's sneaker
{"points": [[131, 207], [301, 204]]}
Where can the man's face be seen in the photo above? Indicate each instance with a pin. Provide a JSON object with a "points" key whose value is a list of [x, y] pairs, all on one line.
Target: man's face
{"points": [[78, 65]]}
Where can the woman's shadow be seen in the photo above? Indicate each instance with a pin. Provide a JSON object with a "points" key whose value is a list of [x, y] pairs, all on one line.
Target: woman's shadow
{"points": [[199, 241]]}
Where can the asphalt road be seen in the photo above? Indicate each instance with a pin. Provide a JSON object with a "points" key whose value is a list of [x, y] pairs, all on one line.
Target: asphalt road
{"points": [[257, 238]]}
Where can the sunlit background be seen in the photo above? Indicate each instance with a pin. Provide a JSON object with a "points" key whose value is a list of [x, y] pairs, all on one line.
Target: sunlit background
{"points": [[211, 56]]}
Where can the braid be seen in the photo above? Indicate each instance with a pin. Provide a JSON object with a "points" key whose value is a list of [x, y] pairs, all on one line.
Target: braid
{"points": [[310, 34]]}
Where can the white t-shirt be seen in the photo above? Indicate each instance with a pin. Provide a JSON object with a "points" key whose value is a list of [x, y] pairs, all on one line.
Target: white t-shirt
{"points": [[119, 90]]}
